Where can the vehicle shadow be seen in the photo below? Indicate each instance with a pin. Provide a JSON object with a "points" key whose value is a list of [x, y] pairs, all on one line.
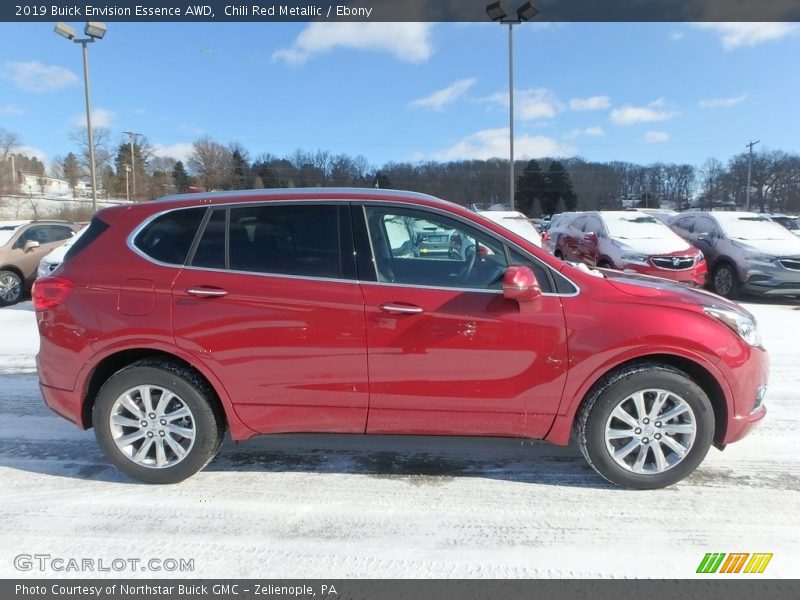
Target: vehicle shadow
{"points": [[418, 460]]}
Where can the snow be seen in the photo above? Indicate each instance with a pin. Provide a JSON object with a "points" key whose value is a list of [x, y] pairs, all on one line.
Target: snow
{"points": [[354, 506]]}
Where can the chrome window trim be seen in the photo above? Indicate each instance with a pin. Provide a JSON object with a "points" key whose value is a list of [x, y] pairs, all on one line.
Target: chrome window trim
{"points": [[355, 202]]}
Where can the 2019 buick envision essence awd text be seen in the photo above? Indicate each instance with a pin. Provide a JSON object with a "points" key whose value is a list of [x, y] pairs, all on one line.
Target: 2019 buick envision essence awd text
{"points": [[258, 312]]}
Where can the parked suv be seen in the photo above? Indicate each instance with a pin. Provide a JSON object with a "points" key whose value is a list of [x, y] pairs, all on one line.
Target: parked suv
{"points": [[747, 252], [627, 240], [22, 246], [259, 312]]}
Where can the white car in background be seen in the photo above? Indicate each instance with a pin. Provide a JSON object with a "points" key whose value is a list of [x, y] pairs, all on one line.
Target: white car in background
{"points": [[51, 261], [516, 222]]}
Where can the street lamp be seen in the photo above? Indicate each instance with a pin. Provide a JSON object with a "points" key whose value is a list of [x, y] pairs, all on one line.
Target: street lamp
{"points": [[498, 14], [94, 30]]}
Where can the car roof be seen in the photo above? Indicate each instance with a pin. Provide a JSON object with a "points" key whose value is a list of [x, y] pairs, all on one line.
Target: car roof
{"points": [[319, 193]]}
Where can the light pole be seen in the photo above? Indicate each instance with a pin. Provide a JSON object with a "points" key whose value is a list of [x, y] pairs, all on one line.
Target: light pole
{"points": [[498, 14], [94, 30], [127, 189], [132, 168], [749, 163]]}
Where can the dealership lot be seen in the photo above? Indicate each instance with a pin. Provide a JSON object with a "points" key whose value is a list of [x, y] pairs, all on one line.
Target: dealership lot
{"points": [[352, 506]]}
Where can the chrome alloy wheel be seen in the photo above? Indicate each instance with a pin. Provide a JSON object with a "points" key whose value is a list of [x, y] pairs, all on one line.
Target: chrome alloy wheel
{"points": [[650, 431], [152, 426], [10, 288], [723, 281]]}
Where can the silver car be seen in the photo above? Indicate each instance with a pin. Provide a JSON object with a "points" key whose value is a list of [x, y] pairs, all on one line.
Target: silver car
{"points": [[746, 252]]}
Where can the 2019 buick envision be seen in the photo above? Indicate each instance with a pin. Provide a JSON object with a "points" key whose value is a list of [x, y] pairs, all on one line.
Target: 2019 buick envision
{"points": [[170, 323]]}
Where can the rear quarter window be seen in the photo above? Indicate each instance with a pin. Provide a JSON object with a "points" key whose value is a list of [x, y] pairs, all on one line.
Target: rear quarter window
{"points": [[168, 237]]}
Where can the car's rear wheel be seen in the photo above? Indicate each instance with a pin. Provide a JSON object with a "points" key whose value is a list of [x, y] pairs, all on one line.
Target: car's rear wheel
{"points": [[725, 281], [10, 288], [157, 422], [645, 427]]}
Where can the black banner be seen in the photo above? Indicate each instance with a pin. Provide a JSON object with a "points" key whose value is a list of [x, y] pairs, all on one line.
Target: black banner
{"points": [[403, 589], [396, 10]]}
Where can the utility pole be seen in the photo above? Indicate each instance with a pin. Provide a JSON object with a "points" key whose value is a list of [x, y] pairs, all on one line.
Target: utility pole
{"points": [[749, 169], [127, 189], [133, 135]]}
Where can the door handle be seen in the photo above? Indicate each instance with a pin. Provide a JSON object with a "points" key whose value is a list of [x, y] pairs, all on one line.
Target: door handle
{"points": [[400, 309], [203, 292]]}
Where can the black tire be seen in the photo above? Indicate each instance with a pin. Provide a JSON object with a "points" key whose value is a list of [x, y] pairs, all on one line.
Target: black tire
{"points": [[11, 288], [604, 264], [206, 419], [725, 281], [615, 390], [558, 254]]}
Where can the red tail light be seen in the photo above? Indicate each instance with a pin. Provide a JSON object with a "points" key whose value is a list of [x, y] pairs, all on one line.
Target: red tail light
{"points": [[50, 292]]}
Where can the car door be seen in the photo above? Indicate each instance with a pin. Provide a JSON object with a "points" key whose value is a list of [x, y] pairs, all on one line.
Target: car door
{"points": [[705, 236], [572, 237], [447, 352], [587, 246], [46, 238], [270, 302]]}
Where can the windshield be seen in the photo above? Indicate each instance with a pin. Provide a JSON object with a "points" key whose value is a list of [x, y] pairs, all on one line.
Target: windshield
{"points": [[789, 223], [6, 232], [636, 227], [754, 228]]}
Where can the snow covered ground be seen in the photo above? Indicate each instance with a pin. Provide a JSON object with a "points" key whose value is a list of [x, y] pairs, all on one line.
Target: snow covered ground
{"points": [[352, 506]]}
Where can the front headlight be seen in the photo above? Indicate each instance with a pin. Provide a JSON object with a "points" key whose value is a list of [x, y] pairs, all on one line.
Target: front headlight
{"points": [[743, 325]]}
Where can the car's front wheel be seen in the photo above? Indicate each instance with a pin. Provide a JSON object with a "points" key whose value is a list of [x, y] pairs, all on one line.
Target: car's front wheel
{"points": [[647, 426], [725, 281], [10, 288], [156, 421]]}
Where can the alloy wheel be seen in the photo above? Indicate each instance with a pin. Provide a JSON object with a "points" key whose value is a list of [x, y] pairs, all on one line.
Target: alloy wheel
{"points": [[152, 426], [650, 431]]}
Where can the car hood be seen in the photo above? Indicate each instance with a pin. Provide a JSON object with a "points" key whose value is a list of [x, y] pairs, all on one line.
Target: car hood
{"points": [[656, 246], [668, 291], [788, 246]]}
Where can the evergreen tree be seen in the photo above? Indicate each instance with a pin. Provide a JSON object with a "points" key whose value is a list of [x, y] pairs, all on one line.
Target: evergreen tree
{"points": [[72, 171], [559, 187], [531, 186], [240, 171], [180, 177]]}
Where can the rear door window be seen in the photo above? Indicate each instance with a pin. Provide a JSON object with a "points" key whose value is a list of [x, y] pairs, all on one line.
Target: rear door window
{"points": [[296, 239]]}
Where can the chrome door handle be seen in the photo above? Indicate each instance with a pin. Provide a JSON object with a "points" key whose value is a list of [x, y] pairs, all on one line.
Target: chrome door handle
{"points": [[400, 309], [200, 292]]}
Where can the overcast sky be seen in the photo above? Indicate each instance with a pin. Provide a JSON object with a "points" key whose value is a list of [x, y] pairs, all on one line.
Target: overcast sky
{"points": [[415, 91]]}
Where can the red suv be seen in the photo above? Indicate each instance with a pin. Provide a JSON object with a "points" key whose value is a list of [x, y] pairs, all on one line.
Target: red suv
{"points": [[169, 323], [627, 240]]}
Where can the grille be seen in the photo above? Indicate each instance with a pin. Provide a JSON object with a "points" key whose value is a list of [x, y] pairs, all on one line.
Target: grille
{"points": [[791, 263], [673, 262]]}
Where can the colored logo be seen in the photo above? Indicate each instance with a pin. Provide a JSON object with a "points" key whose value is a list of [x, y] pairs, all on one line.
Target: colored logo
{"points": [[737, 562]]}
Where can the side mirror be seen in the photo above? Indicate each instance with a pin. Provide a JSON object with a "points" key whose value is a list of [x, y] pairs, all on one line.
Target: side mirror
{"points": [[31, 245], [519, 283], [590, 237]]}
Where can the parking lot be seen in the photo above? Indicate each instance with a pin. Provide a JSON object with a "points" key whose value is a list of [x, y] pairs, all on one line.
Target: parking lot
{"points": [[354, 506]]}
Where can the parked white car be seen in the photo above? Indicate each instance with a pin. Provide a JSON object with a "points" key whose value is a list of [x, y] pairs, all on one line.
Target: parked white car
{"points": [[516, 222], [50, 262]]}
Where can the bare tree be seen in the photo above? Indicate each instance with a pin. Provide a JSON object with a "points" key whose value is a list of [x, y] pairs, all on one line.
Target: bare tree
{"points": [[102, 148], [210, 161]]}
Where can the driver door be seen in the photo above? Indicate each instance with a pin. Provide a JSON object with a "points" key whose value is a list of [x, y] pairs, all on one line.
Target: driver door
{"points": [[447, 352]]}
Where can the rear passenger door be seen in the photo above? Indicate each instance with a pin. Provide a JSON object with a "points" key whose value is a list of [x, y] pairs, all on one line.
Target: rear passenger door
{"points": [[270, 302]]}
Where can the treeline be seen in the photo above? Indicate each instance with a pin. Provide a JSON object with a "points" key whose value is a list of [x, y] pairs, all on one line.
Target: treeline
{"points": [[131, 168]]}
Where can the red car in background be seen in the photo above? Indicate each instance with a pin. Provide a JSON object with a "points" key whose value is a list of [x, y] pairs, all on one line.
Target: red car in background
{"points": [[627, 241]]}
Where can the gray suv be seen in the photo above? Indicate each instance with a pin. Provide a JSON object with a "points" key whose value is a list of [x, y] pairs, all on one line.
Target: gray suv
{"points": [[746, 252]]}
